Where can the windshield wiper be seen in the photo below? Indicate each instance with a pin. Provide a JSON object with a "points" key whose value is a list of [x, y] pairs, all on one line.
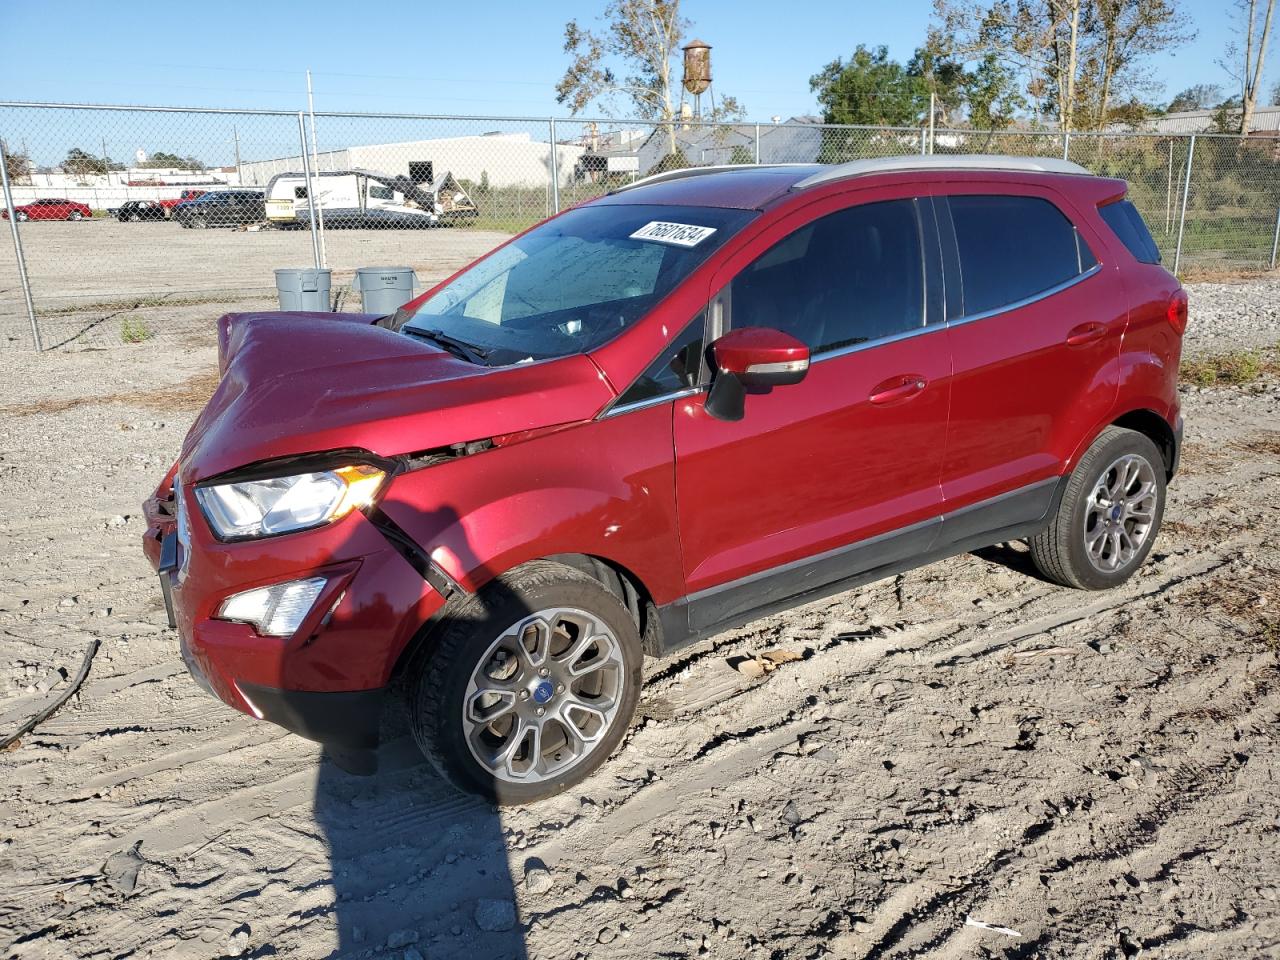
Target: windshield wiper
{"points": [[459, 348]]}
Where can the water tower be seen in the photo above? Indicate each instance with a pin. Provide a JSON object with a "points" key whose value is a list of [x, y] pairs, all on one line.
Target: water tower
{"points": [[697, 72]]}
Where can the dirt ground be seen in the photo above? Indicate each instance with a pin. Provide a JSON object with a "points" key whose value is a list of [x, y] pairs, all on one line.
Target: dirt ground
{"points": [[1095, 773], [94, 273]]}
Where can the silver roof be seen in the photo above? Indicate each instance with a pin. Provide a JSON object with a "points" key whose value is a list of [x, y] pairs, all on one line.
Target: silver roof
{"points": [[685, 172], [862, 168], [975, 161]]}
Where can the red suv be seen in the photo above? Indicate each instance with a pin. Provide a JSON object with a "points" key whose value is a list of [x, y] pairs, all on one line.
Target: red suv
{"points": [[708, 396], [49, 209]]}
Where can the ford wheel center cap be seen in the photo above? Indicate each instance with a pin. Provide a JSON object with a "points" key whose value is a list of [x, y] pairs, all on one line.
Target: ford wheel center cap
{"points": [[543, 692]]}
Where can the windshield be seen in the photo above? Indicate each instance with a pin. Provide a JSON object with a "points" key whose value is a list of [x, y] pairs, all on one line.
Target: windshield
{"points": [[575, 282]]}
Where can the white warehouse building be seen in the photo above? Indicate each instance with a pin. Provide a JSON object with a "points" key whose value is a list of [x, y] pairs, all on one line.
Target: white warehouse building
{"points": [[507, 159]]}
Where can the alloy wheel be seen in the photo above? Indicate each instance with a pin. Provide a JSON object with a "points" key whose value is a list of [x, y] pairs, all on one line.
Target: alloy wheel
{"points": [[544, 695], [1120, 513]]}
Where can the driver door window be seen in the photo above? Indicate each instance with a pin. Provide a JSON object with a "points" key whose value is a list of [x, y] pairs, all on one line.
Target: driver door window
{"points": [[852, 277]]}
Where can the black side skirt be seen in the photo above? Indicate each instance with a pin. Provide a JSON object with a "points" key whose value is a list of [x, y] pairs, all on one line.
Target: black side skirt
{"points": [[1010, 516]]}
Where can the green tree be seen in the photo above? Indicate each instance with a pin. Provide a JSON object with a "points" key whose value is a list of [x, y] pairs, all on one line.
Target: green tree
{"points": [[17, 165], [991, 95], [942, 75], [634, 58], [1202, 96], [160, 160], [80, 163], [869, 88]]}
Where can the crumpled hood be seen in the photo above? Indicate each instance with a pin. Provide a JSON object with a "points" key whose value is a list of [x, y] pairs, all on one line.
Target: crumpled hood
{"points": [[295, 383]]}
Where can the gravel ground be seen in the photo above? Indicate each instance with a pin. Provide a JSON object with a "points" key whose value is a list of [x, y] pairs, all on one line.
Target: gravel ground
{"points": [[1095, 773], [1243, 314]]}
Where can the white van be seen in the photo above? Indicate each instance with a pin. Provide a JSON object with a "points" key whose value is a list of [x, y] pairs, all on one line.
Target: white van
{"points": [[362, 198]]}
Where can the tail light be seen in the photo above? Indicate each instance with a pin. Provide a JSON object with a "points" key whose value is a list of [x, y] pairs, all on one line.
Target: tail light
{"points": [[1177, 311]]}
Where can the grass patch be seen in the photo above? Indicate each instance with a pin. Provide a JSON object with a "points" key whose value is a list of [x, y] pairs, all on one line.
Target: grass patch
{"points": [[138, 303], [189, 395], [1228, 369], [133, 330]]}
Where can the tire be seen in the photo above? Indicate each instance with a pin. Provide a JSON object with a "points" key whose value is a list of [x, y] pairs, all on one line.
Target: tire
{"points": [[1106, 523], [480, 639], [196, 223], [134, 218], [75, 215]]}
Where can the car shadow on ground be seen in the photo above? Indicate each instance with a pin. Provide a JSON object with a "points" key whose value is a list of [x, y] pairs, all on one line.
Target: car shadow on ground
{"points": [[1012, 556], [416, 864]]}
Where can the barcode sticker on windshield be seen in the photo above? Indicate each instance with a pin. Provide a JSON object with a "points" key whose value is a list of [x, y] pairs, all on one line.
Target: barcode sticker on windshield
{"points": [[679, 234]]}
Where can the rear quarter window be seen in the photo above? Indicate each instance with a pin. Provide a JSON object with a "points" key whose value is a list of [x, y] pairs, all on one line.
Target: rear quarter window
{"points": [[1127, 224], [1014, 248]]}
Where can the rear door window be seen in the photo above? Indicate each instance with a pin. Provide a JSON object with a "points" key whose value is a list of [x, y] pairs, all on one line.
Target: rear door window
{"points": [[1013, 248], [1127, 224]]}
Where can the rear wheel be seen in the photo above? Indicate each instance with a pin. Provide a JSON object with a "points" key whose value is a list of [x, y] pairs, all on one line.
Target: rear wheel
{"points": [[1109, 516], [22, 216], [75, 215], [196, 223], [530, 686]]}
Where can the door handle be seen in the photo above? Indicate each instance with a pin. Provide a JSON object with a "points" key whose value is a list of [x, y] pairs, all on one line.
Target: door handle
{"points": [[1086, 333], [898, 388]]}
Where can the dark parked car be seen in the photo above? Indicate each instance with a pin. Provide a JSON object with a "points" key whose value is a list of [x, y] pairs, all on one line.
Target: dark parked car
{"points": [[223, 208], [698, 400], [132, 211], [50, 209]]}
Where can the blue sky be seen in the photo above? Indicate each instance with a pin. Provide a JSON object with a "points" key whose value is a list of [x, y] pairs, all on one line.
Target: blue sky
{"points": [[496, 57]]}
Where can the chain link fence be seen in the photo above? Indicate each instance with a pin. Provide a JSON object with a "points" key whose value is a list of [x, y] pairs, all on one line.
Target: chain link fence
{"points": [[136, 222]]}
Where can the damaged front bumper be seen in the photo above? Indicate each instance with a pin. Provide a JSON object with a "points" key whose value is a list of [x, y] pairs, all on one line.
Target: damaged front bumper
{"points": [[328, 681]]}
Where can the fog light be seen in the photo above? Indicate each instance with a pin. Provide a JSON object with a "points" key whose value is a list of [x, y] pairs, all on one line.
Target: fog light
{"points": [[274, 611]]}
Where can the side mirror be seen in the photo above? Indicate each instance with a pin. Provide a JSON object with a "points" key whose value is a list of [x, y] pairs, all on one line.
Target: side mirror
{"points": [[753, 359]]}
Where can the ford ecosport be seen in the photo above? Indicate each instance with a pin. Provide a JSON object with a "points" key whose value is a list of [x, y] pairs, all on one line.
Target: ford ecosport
{"points": [[702, 398]]}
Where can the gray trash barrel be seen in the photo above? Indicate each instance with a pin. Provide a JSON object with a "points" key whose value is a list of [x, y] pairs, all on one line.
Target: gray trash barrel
{"points": [[303, 289], [384, 290]]}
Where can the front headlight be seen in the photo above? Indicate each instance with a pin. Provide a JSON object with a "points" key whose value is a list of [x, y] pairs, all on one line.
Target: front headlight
{"points": [[260, 508]]}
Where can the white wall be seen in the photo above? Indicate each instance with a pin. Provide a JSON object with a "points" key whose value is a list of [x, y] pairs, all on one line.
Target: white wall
{"points": [[509, 160]]}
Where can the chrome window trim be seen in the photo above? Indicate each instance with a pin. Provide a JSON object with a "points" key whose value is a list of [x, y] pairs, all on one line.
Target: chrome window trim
{"points": [[870, 344], [1026, 301], [649, 402], [957, 321]]}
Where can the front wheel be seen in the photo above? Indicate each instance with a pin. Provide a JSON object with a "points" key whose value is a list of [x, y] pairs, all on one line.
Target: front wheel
{"points": [[75, 215], [196, 223], [1109, 516], [530, 686], [22, 216]]}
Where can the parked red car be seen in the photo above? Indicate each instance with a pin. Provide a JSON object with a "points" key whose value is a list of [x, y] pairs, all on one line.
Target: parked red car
{"points": [[706, 397], [171, 202], [49, 209]]}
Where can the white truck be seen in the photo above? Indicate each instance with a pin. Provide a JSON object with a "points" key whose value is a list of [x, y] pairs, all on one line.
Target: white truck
{"points": [[363, 198]]}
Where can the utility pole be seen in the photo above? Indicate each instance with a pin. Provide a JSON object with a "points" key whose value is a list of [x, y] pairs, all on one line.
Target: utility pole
{"points": [[313, 199]]}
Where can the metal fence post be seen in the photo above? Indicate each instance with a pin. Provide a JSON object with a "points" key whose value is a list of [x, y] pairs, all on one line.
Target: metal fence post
{"points": [[1066, 145], [757, 143], [1275, 241], [1182, 217], [311, 193], [17, 247], [555, 169], [924, 141]]}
